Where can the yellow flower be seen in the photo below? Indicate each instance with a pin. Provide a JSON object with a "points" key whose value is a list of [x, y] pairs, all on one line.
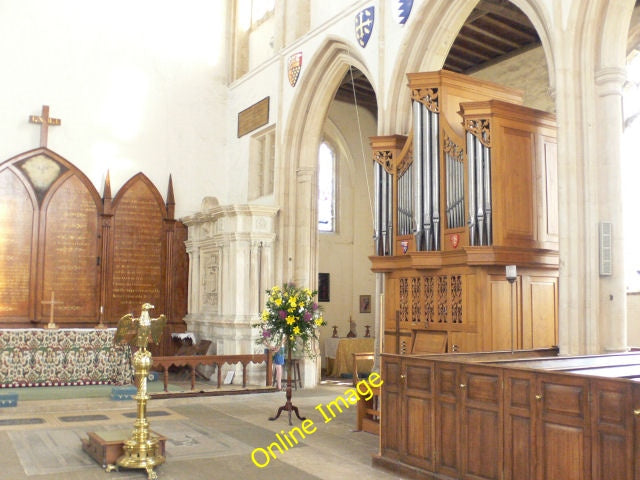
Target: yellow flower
{"points": [[265, 315], [319, 321], [292, 301], [291, 337], [291, 320], [296, 330], [307, 292], [275, 289], [278, 301]]}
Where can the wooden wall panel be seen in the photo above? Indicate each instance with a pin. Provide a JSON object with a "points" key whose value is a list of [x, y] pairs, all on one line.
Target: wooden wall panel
{"points": [[138, 251], [103, 258], [564, 448], [515, 222], [17, 253], [540, 297], [519, 431], [612, 430], [418, 394], [481, 426], [71, 253]]}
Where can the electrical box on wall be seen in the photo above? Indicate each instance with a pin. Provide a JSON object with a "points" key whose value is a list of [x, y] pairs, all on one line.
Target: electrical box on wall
{"points": [[606, 245]]}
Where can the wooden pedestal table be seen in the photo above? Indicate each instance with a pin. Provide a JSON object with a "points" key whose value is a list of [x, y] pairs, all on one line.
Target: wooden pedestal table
{"points": [[288, 406]]}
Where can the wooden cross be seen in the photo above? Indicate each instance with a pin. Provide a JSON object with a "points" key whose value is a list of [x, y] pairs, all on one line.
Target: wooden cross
{"points": [[51, 302], [44, 120]]}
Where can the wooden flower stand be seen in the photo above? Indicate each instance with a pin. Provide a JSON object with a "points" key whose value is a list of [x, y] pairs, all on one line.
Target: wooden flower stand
{"points": [[288, 406]]}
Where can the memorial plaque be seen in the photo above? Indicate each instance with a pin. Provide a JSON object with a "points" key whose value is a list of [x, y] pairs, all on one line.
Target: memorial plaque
{"points": [[253, 117], [138, 239], [16, 225], [71, 253]]}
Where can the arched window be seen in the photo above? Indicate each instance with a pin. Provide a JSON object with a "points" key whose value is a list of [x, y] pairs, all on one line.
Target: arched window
{"points": [[326, 188]]}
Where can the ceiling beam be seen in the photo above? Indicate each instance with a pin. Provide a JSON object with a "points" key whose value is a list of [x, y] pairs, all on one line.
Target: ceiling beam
{"points": [[493, 36], [529, 38], [515, 15]]}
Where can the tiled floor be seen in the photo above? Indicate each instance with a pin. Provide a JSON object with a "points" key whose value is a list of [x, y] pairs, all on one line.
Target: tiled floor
{"points": [[208, 438]]}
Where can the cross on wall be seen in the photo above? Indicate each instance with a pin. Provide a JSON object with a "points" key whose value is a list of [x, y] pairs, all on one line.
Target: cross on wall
{"points": [[44, 120]]}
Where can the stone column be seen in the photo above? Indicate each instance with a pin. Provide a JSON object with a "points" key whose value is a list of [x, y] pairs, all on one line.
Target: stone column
{"points": [[612, 299]]}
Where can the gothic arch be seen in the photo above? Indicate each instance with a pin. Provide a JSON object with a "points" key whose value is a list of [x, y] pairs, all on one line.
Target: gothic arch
{"points": [[301, 138], [428, 42]]}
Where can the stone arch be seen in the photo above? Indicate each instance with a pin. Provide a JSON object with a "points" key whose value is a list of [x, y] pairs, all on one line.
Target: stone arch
{"points": [[427, 44], [301, 138]]}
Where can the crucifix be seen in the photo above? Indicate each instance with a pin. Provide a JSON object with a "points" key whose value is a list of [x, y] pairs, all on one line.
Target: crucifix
{"points": [[51, 302], [44, 120]]}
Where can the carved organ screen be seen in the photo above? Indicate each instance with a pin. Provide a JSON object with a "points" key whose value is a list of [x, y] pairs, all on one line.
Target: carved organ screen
{"points": [[471, 189]]}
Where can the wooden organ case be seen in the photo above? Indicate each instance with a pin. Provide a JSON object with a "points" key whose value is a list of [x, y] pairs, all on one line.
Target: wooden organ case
{"points": [[470, 190]]}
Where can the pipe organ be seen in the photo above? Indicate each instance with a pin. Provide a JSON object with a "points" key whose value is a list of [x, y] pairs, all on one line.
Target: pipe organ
{"points": [[472, 188]]}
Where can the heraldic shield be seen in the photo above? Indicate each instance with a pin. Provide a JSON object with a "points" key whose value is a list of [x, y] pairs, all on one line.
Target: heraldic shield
{"points": [[364, 25], [295, 65]]}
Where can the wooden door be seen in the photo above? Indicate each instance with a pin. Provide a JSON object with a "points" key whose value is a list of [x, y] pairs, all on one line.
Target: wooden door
{"points": [[611, 430], [447, 419], [519, 424], [563, 442], [481, 425], [418, 414], [391, 407]]}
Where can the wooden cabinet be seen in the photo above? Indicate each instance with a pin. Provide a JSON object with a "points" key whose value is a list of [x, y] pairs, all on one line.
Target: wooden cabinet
{"points": [[484, 417], [408, 413]]}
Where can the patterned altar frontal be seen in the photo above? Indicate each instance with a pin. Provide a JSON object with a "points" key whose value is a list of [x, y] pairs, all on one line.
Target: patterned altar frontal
{"points": [[36, 357]]}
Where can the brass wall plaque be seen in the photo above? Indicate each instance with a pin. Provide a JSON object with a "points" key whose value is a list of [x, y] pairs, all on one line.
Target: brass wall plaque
{"points": [[253, 117]]}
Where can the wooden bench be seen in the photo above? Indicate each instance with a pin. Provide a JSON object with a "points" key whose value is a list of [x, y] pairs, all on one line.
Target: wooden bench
{"points": [[193, 361], [368, 414]]}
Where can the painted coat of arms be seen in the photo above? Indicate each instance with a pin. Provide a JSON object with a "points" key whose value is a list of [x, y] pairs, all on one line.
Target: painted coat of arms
{"points": [[295, 65], [364, 25], [402, 11]]}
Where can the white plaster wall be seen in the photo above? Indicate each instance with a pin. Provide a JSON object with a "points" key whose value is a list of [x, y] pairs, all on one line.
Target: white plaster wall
{"points": [[633, 319], [139, 86]]}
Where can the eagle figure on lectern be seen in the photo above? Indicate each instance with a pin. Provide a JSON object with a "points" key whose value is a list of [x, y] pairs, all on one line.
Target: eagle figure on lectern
{"points": [[139, 331]]}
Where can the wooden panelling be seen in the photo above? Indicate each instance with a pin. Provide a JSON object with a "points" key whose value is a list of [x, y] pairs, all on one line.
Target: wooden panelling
{"points": [[71, 251], [18, 219], [481, 426], [488, 420], [519, 433], [563, 443], [101, 257], [419, 405], [447, 427], [612, 430]]}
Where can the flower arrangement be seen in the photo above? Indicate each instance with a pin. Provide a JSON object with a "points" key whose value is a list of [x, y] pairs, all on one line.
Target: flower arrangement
{"points": [[290, 317]]}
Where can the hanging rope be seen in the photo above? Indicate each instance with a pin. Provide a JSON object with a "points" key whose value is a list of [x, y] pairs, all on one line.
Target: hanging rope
{"points": [[364, 164]]}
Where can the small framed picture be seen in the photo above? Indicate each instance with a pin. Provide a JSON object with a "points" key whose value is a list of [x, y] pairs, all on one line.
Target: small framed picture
{"points": [[323, 287], [365, 303]]}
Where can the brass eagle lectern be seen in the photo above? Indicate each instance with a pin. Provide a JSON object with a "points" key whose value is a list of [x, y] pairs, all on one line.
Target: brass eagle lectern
{"points": [[142, 450]]}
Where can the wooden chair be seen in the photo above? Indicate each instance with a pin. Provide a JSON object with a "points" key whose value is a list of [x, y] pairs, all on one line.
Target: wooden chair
{"points": [[368, 415]]}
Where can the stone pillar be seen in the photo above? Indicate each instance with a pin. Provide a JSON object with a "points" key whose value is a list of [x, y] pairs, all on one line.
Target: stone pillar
{"points": [[228, 271], [612, 293]]}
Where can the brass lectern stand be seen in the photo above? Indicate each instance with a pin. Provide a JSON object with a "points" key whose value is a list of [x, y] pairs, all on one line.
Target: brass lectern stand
{"points": [[142, 450]]}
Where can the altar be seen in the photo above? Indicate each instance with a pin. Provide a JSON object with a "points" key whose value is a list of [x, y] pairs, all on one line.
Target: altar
{"points": [[338, 352], [76, 356]]}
